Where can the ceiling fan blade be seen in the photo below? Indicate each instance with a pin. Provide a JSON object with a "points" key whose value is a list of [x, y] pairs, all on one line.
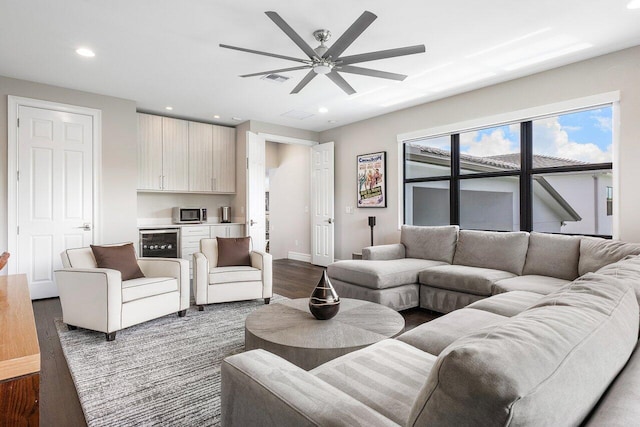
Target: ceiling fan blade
{"points": [[257, 52], [381, 54], [372, 73], [282, 70], [292, 34], [342, 83], [310, 75], [350, 35]]}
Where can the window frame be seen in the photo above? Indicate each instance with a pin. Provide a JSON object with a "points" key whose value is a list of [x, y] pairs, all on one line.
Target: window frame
{"points": [[526, 172]]}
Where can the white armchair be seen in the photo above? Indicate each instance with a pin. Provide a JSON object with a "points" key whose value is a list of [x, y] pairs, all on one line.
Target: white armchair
{"points": [[97, 298], [215, 284]]}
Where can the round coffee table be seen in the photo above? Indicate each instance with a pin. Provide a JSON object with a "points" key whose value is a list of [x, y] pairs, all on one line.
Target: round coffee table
{"points": [[289, 330]]}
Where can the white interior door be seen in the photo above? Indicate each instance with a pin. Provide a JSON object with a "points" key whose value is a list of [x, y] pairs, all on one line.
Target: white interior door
{"points": [[55, 192], [322, 195], [256, 217]]}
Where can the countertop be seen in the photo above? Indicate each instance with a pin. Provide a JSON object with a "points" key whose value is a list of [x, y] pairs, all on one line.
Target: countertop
{"points": [[169, 225]]}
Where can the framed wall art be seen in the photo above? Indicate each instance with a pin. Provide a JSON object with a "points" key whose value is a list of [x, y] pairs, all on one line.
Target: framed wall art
{"points": [[372, 180]]}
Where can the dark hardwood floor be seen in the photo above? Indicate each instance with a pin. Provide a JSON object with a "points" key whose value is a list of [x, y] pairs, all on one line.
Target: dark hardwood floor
{"points": [[59, 404]]}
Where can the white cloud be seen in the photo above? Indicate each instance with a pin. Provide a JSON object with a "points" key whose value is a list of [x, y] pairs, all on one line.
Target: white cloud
{"points": [[552, 140], [492, 144], [603, 123]]}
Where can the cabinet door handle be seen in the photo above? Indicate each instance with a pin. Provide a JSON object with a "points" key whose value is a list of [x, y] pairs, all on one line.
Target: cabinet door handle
{"points": [[160, 181]]}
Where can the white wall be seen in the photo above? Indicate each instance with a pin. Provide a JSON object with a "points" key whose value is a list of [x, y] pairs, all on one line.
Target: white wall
{"points": [[119, 154], [612, 72], [290, 227], [156, 206]]}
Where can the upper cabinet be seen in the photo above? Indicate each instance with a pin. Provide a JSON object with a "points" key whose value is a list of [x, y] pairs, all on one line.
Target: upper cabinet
{"points": [[175, 154], [149, 152], [181, 156]]}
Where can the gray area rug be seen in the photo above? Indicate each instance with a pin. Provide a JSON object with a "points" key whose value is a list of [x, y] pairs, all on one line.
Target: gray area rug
{"points": [[163, 372]]}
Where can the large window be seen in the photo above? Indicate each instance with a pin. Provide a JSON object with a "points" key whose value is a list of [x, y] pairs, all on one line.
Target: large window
{"points": [[551, 174]]}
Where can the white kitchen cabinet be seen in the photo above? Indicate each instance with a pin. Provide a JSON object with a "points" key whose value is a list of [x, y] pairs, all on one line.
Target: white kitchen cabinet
{"points": [[175, 154], [227, 230], [163, 161], [149, 152], [190, 242], [200, 157], [212, 158], [224, 159]]}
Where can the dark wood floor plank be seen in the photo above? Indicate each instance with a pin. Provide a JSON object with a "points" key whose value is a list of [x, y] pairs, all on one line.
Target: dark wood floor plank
{"points": [[59, 404]]}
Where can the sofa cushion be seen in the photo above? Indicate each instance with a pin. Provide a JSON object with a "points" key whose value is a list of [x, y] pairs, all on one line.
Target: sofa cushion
{"points": [[595, 253], [380, 274], [619, 406], [548, 365], [539, 284], [385, 376], [507, 304], [435, 243], [472, 280], [552, 255], [233, 251], [145, 287], [436, 335], [240, 273], [493, 250], [628, 269], [118, 257]]}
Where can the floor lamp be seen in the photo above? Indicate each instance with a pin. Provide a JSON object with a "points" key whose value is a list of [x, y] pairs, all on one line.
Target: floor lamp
{"points": [[372, 223]]}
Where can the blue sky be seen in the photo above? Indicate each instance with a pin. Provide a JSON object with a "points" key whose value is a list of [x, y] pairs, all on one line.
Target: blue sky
{"points": [[585, 136], [592, 126]]}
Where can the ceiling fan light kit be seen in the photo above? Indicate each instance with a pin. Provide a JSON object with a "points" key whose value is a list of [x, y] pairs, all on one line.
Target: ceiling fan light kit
{"points": [[327, 60]]}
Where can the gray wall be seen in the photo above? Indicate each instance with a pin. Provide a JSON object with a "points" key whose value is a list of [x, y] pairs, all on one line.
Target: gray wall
{"points": [[616, 71], [119, 154]]}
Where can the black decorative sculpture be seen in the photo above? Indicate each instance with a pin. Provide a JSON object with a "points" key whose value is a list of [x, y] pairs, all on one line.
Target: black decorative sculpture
{"points": [[324, 302], [372, 223]]}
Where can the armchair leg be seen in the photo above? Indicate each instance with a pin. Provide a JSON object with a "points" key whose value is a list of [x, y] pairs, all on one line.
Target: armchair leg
{"points": [[110, 336], [267, 300], [182, 313], [71, 327], [201, 308]]}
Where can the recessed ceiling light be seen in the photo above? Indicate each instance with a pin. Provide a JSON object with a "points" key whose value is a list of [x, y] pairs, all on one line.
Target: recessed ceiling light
{"points": [[168, 108], [237, 119], [216, 116], [634, 4], [332, 121], [323, 110], [83, 51]]}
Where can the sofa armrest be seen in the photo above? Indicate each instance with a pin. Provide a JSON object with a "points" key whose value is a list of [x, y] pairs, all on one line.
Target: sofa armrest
{"points": [[200, 278], [262, 389], [263, 261], [169, 267], [91, 298], [384, 252]]}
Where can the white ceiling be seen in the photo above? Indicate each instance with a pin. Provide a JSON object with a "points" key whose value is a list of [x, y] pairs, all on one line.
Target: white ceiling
{"points": [[165, 52]]}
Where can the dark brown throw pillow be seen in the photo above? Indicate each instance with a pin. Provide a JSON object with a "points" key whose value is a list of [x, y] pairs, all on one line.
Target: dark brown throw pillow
{"points": [[121, 258], [233, 251]]}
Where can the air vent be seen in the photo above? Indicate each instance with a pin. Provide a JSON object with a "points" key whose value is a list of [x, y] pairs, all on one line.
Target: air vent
{"points": [[297, 114], [275, 78]]}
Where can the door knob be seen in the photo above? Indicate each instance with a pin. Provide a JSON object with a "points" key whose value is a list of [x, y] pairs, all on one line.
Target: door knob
{"points": [[252, 222], [330, 220], [86, 226]]}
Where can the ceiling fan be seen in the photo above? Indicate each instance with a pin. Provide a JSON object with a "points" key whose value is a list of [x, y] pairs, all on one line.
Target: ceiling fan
{"points": [[327, 60]]}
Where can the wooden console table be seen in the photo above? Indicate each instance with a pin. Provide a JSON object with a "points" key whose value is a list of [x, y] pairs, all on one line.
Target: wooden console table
{"points": [[19, 354]]}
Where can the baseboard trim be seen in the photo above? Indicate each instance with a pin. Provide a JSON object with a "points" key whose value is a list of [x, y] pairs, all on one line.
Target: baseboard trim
{"points": [[297, 256]]}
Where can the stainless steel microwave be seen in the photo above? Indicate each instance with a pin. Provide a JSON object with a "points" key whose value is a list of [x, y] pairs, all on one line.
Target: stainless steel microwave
{"points": [[189, 215]]}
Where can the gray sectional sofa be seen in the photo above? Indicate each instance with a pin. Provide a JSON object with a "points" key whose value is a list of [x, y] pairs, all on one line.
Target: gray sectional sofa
{"points": [[444, 269], [513, 357]]}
